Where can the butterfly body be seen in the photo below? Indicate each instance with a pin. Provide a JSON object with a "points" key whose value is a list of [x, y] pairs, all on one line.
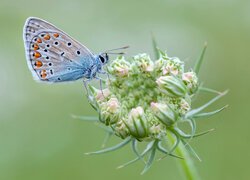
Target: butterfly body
{"points": [[53, 56]]}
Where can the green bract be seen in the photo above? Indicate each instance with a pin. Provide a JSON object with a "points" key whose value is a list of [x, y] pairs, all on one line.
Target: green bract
{"points": [[146, 100]]}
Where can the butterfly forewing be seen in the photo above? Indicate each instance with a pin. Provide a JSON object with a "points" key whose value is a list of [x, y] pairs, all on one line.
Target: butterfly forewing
{"points": [[52, 55]]}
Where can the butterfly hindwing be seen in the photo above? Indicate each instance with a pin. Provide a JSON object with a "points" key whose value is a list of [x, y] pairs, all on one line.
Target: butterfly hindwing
{"points": [[52, 55]]}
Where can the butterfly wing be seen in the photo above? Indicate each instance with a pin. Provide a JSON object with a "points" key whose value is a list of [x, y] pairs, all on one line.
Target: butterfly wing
{"points": [[52, 55]]}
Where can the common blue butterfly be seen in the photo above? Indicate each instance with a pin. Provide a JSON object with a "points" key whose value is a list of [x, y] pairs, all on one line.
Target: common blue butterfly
{"points": [[53, 56]]}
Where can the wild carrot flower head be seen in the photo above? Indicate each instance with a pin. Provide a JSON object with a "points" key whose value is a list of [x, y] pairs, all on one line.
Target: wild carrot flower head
{"points": [[146, 100]]}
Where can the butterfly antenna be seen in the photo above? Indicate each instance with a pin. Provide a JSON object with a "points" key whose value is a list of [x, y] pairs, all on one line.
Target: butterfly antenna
{"points": [[124, 47], [120, 53]]}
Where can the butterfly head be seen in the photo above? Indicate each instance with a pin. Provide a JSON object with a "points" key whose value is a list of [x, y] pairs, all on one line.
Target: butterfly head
{"points": [[103, 58]]}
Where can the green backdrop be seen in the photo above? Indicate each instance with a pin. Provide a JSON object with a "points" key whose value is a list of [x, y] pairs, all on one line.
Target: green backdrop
{"points": [[38, 138]]}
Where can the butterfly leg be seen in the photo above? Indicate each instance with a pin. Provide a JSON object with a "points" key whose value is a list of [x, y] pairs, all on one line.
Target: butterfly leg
{"points": [[106, 73], [85, 82], [100, 81], [108, 77]]}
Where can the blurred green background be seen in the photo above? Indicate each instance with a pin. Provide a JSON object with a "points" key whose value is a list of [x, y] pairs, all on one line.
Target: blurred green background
{"points": [[39, 139]]}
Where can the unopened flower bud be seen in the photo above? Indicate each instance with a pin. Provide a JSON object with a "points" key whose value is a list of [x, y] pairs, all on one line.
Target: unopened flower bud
{"points": [[102, 94], [159, 64], [112, 105], [157, 131], [184, 106], [119, 67], [164, 113], [191, 81], [136, 112], [169, 69], [144, 63], [172, 67], [171, 86], [110, 111], [120, 129], [137, 123]]}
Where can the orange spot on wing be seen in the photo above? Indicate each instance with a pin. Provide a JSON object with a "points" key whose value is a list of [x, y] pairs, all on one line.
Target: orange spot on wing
{"points": [[37, 54], [43, 74], [36, 47], [46, 37], [39, 40], [38, 64], [56, 35]]}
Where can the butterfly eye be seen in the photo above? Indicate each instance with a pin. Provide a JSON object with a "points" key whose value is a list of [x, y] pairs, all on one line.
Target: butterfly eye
{"points": [[102, 59]]}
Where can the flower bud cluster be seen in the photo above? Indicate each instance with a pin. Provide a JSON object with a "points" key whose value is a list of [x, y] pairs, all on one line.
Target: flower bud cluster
{"points": [[143, 98], [146, 101]]}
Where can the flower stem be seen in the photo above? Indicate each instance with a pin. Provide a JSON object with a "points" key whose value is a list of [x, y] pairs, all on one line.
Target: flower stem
{"points": [[186, 164]]}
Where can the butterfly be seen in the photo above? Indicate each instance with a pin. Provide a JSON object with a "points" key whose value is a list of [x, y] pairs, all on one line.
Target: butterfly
{"points": [[53, 56]]}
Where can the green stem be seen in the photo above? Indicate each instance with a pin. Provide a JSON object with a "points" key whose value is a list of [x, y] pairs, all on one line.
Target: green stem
{"points": [[186, 164]]}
